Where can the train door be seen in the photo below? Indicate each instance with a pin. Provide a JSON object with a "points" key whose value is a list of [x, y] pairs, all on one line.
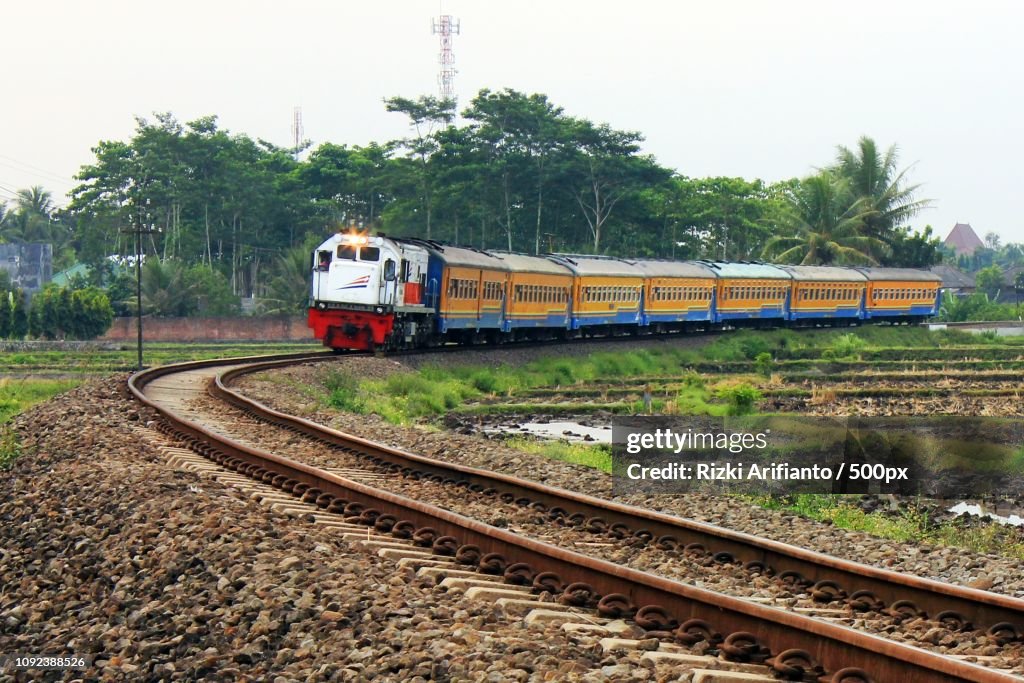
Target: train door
{"points": [[389, 282]]}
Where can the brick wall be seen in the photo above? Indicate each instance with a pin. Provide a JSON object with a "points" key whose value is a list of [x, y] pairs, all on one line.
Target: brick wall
{"points": [[272, 328]]}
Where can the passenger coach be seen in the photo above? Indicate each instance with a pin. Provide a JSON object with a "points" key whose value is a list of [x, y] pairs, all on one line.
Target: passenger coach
{"points": [[606, 291], [749, 293], [677, 295], [901, 294], [825, 292]]}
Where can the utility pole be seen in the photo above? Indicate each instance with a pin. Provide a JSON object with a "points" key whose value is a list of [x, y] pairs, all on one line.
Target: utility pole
{"points": [[142, 225]]}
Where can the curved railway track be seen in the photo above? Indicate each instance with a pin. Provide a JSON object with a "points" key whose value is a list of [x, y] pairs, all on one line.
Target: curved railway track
{"points": [[800, 645]]}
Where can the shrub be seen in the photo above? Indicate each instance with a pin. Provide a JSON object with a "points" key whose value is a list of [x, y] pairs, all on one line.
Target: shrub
{"points": [[764, 364], [846, 346], [741, 398]]}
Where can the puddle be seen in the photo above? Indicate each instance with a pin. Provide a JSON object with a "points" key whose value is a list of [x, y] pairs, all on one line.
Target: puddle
{"points": [[568, 431], [980, 510]]}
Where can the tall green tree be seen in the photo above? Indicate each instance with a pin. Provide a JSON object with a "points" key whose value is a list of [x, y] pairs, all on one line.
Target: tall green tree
{"points": [[874, 179], [426, 114], [605, 167], [823, 225]]}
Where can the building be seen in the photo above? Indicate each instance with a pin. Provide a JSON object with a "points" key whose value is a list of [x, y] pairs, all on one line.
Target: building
{"points": [[963, 240], [29, 266], [954, 280]]}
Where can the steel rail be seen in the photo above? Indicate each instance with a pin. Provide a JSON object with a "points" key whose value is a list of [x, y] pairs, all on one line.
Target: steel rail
{"points": [[983, 609], [833, 648]]}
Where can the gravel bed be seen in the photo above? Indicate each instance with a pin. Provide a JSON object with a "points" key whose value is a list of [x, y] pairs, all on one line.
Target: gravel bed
{"points": [[282, 389], [700, 571], [158, 574]]}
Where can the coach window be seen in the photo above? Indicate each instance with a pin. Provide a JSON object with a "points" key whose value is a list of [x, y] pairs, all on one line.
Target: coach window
{"points": [[346, 252]]}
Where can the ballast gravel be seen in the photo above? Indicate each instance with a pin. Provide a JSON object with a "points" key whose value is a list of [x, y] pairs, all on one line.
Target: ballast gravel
{"points": [[157, 574]]}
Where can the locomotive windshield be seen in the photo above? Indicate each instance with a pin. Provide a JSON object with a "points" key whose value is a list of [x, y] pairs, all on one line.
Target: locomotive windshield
{"points": [[346, 252]]}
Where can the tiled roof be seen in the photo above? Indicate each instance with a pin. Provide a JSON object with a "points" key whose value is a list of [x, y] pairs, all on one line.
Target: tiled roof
{"points": [[963, 240]]}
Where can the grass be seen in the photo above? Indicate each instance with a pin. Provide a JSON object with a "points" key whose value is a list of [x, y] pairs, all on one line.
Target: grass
{"points": [[102, 360], [912, 524], [17, 396], [598, 456], [434, 390]]}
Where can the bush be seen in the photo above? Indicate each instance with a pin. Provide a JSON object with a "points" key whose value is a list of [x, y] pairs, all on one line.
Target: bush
{"points": [[846, 346], [60, 313], [741, 398], [764, 364]]}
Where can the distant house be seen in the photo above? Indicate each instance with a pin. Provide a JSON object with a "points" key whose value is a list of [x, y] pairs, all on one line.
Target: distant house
{"points": [[64, 277], [963, 240], [1010, 275], [954, 280], [30, 266]]}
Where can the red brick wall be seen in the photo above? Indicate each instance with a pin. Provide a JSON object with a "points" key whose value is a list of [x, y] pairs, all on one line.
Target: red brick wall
{"points": [[274, 328]]}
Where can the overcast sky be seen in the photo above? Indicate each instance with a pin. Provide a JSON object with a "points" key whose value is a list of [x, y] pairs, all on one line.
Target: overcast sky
{"points": [[739, 88]]}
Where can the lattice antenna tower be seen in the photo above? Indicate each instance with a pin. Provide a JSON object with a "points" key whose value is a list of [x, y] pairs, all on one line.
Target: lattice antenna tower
{"points": [[298, 132], [446, 26]]}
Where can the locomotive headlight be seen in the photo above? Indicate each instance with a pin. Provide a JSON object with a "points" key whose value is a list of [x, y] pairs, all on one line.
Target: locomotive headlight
{"points": [[322, 306], [379, 310]]}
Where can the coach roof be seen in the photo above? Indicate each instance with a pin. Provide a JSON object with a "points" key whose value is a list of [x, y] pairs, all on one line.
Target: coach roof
{"points": [[523, 263], [465, 257], [688, 269], [824, 274], [760, 271], [903, 274], [597, 265]]}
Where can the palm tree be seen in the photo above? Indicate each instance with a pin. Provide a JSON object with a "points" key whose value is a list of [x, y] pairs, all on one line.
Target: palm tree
{"points": [[288, 292], [874, 178], [166, 290], [823, 225], [6, 224]]}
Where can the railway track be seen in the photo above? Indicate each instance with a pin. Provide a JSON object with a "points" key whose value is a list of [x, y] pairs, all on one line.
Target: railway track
{"points": [[798, 645]]}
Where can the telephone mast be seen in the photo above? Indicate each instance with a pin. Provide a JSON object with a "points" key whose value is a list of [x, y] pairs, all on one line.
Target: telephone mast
{"points": [[447, 27], [297, 132]]}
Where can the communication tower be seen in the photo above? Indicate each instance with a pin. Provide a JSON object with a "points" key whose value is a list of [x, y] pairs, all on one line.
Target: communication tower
{"points": [[446, 26], [297, 132]]}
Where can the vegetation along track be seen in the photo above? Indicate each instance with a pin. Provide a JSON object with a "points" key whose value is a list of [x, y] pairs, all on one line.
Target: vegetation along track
{"points": [[753, 630]]}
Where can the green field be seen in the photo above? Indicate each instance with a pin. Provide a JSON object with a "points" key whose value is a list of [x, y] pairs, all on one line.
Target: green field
{"points": [[37, 375], [104, 359]]}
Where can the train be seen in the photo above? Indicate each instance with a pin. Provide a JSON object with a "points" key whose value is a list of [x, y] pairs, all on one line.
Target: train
{"points": [[374, 292]]}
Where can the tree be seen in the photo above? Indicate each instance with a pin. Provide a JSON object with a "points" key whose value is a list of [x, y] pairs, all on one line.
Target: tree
{"points": [[166, 292], [19, 315], [605, 167], [874, 179], [913, 249], [990, 281], [822, 226], [289, 286], [92, 313], [6, 313], [213, 295], [425, 114], [523, 138]]}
